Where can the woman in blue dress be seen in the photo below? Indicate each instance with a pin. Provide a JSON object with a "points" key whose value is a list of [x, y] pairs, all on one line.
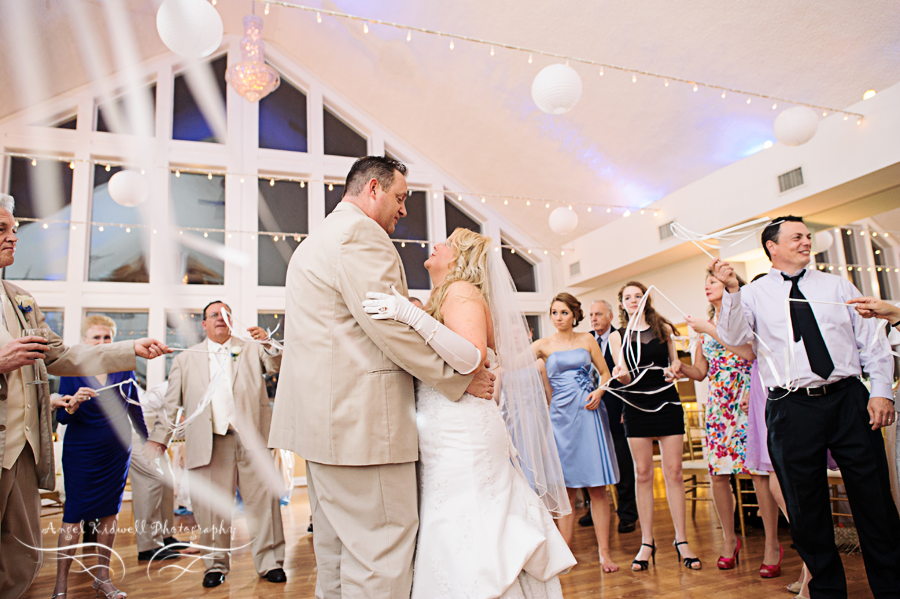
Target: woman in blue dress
{"points": [[96, 456], [580, 423]]}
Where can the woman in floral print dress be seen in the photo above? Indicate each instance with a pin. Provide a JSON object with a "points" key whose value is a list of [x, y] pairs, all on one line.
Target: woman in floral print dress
{"points": [[728, 369]]}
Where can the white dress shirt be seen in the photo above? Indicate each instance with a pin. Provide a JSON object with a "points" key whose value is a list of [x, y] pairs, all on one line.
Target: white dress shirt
{"points": [[603, 339], [222, 404], [852, 341]]}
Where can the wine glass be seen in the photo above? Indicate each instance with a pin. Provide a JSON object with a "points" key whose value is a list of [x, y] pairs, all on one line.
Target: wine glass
{"points": [[45, 335]]}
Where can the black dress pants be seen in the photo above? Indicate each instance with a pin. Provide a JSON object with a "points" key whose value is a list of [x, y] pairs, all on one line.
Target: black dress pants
{"points": [[801, 430], [627, 510]]}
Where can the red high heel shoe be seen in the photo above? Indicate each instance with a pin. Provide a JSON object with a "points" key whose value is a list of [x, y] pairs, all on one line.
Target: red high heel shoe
{"points": [[729, 563], [772, 571]]}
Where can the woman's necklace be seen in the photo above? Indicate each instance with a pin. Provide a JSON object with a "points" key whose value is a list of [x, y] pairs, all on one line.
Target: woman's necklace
{"points": [[561, 345]]}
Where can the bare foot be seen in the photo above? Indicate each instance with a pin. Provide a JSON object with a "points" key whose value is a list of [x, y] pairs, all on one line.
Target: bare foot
{"points": [[607, 563]]}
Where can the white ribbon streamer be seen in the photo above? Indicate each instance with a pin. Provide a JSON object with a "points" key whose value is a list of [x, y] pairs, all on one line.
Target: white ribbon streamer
{"points": [[735, 234], [635, 356], [243, 336], [181, 426]]}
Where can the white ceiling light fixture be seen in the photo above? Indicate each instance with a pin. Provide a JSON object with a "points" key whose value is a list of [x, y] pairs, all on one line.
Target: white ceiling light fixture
{"points": [[252, 78], [556, 89], [563, 221], [128, 188], [189, 28], [796, 126]]}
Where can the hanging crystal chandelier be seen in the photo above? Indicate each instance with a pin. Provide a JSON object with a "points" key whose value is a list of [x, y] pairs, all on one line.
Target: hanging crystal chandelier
{"points": [[252, 77]]}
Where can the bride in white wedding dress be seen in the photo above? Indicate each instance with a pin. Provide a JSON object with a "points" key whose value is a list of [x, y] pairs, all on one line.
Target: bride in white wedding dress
{"points": [[489, 475]]}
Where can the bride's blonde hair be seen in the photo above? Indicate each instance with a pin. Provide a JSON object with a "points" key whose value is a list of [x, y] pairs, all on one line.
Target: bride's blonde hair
{"points": [[470, 264]]}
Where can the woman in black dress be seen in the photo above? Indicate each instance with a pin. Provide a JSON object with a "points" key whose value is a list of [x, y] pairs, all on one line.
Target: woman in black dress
{"points": [[652, 409]]}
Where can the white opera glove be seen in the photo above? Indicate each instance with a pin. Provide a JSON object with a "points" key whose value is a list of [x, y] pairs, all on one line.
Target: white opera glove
{"points": [[457, 351]]}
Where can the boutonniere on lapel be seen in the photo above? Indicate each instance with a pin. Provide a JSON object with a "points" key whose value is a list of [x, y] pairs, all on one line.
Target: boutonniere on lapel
{"points": [[235, 352], [25, 303]]}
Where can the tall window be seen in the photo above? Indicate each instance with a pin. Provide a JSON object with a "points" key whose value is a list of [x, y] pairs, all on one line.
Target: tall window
{"points": [[125, 116], [414, 227], [188, 121], [851, 257], [184, 328], [117, 246], [129, 325], [341, 139], [68, 123], [283, 211], [457, 219], [522, 270], [882, 270], [282, 119], [271, 321], [55, 319], [42, 190], [333, 194], [199, 203], [534, 325]]}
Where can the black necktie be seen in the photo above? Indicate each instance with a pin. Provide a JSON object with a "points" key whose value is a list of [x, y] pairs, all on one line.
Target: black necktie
{"points": [[806, 327]]}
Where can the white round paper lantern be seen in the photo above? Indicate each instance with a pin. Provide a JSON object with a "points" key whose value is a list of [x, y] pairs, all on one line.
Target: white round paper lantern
{"points": [[563, 221], [128, 188], [796, 126], [556, 89], [824, 240], [189, 28]]}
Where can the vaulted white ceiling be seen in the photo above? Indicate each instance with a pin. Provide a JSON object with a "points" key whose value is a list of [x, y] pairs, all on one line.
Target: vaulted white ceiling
{"points": [[624, 143]]}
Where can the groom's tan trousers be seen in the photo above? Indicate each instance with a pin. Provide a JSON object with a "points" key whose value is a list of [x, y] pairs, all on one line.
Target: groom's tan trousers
{"points": [[365, 520]]}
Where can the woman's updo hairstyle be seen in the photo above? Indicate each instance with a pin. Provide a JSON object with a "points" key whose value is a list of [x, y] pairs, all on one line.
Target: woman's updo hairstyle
{"points": [[470, 264], [573, 304]]}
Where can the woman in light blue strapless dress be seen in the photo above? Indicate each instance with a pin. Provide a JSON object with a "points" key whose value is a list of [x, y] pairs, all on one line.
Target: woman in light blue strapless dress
{"points": [[582, 436], [579, 418]]}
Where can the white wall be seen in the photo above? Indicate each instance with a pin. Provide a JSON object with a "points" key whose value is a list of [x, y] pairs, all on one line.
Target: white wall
{"points": [[841, 151], [682, 283]]}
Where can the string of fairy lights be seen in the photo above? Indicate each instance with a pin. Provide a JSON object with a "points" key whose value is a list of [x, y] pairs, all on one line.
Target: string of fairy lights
{"points": [[462, 197], [665, 79], [272, 178]]}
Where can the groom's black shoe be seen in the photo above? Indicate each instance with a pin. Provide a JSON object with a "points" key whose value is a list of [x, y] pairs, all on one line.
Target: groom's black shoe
{"points": [[276, 575], [213, 579], [586, 520], [626, 527], [156, 555]]}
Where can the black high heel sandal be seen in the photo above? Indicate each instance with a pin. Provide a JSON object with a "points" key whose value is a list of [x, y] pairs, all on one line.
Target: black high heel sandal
{"points": [[644, 564], [688, 561]]}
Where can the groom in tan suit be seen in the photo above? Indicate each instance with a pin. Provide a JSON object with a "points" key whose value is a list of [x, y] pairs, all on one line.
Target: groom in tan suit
{"points": [[226, 446], [26, 441], [346, 401]]}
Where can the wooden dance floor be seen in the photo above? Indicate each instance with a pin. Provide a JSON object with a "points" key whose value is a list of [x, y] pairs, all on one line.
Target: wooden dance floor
{"points": [[667, 579]]}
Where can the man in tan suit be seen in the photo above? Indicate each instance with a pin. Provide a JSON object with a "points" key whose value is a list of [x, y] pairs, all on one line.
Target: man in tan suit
{"points": [[225, 446], [345, 400], [26, 441], [153, 495]]}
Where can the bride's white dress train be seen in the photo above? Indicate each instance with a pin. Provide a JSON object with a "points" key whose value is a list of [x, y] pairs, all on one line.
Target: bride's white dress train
{"points": [[483, 532]]}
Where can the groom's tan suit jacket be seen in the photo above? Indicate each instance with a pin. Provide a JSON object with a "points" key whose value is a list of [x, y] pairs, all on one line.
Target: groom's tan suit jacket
{"points": [[345, 395]]}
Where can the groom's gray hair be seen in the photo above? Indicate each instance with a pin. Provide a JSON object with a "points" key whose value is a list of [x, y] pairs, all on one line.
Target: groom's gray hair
{"points": [[380, 168], [7, 202]]}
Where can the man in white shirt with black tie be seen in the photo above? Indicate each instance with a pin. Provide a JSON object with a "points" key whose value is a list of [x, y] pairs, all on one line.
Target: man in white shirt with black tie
{"points": [[811, 366]]}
